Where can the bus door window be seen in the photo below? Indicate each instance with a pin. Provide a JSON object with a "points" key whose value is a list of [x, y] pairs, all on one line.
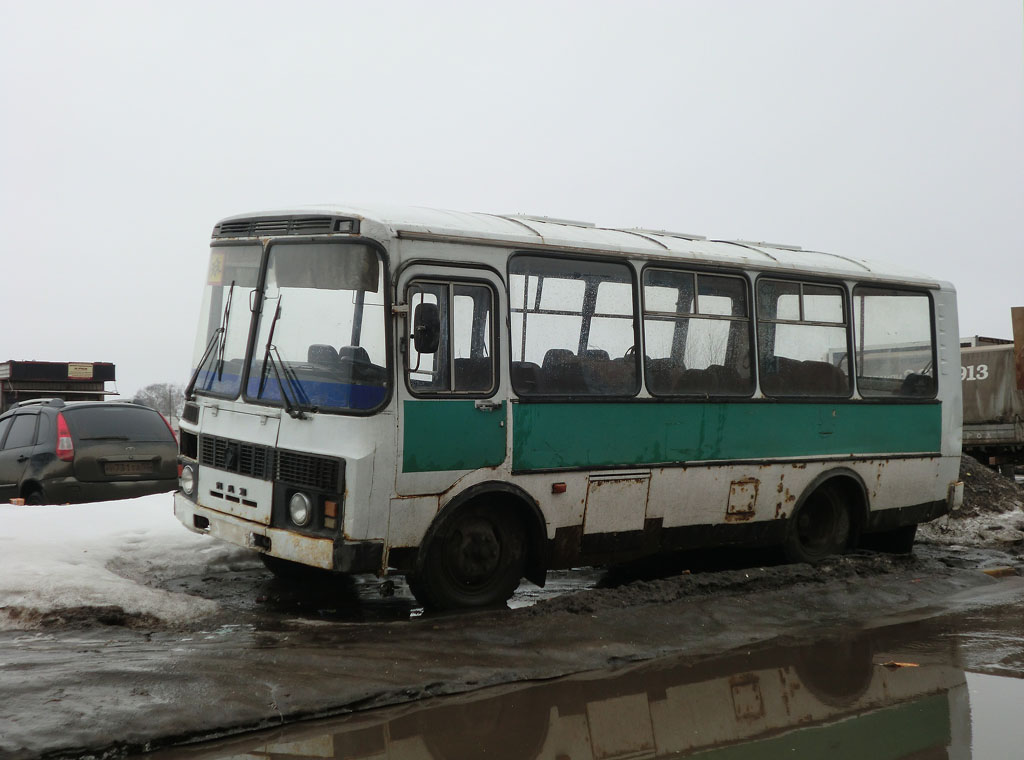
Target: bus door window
{"points": [[473, 364], [802, 339], [573, 327], [894, 343], [464, 359], [696, 334]]}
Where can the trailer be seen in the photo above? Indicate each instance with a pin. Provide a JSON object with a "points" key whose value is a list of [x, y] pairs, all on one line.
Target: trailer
{"points": [[992, 373]]}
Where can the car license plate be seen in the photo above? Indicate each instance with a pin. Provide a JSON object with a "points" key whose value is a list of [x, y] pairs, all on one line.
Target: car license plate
{"points": [[127, 468]]}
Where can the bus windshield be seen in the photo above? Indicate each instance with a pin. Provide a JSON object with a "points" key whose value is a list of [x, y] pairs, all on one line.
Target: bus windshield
{"points": [[219, 355], [320, 339]]}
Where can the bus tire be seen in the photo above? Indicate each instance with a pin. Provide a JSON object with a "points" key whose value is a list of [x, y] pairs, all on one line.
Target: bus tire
{"points": [[474, 559], [819, 528]]}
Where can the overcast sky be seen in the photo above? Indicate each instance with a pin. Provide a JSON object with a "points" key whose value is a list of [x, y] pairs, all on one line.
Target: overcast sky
{"points": [[884, 130]]}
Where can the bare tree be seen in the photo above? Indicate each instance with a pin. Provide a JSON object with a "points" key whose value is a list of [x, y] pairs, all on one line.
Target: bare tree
{"points": [[166, 398]]}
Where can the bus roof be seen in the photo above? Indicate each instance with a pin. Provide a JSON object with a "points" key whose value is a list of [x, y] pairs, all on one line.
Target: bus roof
{"points": [[532, 232]]}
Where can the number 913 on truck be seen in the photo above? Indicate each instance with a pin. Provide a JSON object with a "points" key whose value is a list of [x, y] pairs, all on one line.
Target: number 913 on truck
{"points": [[470, 399]]}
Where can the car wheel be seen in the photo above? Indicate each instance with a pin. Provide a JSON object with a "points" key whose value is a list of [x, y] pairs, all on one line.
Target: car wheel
{"points": [[475, 560], [820, 527], [36, 497]]}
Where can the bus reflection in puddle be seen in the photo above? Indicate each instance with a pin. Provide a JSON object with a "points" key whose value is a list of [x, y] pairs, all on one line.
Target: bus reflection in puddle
{"points": [[837, 701]]}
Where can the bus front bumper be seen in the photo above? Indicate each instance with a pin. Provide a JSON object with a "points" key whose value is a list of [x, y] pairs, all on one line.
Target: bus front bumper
{"points": [[325, 553]]}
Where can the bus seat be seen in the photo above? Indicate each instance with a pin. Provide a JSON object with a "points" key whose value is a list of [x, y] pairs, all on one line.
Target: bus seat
{"points": [[662, 375], [725, 380], [604, 375], [322, 355], [356, 354], [916, 384], [690, 381], [561, 372], [524, 377], [777, 375], [473, 374], [822, 379]]}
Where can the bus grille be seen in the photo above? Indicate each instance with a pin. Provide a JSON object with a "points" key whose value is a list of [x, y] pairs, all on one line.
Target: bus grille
{"points": [[308, 471], [285, 225], [235, 456]]}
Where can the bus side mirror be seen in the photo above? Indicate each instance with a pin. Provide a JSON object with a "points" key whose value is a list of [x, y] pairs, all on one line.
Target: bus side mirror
{"points": [[426, 331]]}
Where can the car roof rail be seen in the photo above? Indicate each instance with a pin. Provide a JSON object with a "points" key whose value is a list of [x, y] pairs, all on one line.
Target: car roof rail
{"points": [[58, 402]]}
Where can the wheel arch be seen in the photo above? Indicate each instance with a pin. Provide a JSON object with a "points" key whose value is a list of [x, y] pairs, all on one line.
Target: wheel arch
{"points": [[851, 484], [30, 486], [510, 497]]}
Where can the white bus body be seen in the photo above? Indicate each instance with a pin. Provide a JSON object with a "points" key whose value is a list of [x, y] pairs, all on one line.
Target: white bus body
{"points": [[469, 399]]}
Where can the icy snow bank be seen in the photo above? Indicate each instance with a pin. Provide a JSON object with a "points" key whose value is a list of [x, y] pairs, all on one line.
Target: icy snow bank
{"points": [[992, 514], [56, 563]]}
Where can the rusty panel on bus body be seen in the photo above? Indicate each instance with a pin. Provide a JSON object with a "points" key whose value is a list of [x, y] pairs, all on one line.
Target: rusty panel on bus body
{"points": [[227, 429], [989, 385], [732, 493]]}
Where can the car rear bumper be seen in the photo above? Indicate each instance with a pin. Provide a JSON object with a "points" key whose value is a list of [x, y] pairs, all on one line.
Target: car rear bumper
{"points": [[73, 491], [325, 553]]}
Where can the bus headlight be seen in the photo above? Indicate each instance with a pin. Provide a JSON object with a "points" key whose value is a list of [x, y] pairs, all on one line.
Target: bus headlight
{"points": [[187, 480], [300, 509]]}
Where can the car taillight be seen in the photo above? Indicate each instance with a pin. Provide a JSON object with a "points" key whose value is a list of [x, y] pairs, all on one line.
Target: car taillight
{"points": [[65, 446], [168, 424]]}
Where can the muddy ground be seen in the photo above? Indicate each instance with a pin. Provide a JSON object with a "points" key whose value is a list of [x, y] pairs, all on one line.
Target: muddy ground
{"points": [[97, 682]]}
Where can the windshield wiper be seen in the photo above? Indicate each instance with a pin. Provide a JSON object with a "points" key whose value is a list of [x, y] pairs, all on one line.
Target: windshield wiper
{"points": [[223, 332], [272, 357], [217, 341], [104, 438]]}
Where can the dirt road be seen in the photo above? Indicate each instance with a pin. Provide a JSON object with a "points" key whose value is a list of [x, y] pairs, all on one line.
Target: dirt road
{"points": [[94, 681]]}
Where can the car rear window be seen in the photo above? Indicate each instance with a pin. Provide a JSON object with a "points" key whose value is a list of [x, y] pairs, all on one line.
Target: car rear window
{"points": [[130, 423]]}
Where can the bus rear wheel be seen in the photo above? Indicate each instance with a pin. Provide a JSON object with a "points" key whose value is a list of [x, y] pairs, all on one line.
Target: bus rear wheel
{"points": [[475, 559], [820, 527]]}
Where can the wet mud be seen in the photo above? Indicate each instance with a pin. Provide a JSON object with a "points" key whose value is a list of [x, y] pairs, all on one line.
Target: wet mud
{"points": [[899, 692], [99, 682], [111, 690]]}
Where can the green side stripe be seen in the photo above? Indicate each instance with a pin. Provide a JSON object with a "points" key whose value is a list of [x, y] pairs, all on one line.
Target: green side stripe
{"points": [[561, 435]]}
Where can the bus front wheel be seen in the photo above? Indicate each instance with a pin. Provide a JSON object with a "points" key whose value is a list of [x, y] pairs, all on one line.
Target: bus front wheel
{"points": [[819, 528], [476, 559]]}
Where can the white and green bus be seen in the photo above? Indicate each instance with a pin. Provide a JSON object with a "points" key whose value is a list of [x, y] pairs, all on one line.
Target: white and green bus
{"points": [[468, 399]]}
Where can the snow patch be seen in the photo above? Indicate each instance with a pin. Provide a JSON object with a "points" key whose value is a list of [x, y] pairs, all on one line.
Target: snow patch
{"points": [[88, 563]]}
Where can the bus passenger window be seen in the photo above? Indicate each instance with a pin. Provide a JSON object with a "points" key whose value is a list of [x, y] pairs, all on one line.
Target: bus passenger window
{"points": [[696, 334], [893, 340], [802, 339], [573, 328], [464, 359]]}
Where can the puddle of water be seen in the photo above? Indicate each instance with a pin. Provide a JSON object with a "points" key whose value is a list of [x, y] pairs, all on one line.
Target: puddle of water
{"points": [[893, 694]]}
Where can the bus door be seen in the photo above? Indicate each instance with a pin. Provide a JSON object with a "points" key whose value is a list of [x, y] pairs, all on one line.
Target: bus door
{"points": [[452, 405]]}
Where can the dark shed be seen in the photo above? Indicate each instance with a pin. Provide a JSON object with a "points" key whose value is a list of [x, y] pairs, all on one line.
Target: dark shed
{"points": [[27, 380]]}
